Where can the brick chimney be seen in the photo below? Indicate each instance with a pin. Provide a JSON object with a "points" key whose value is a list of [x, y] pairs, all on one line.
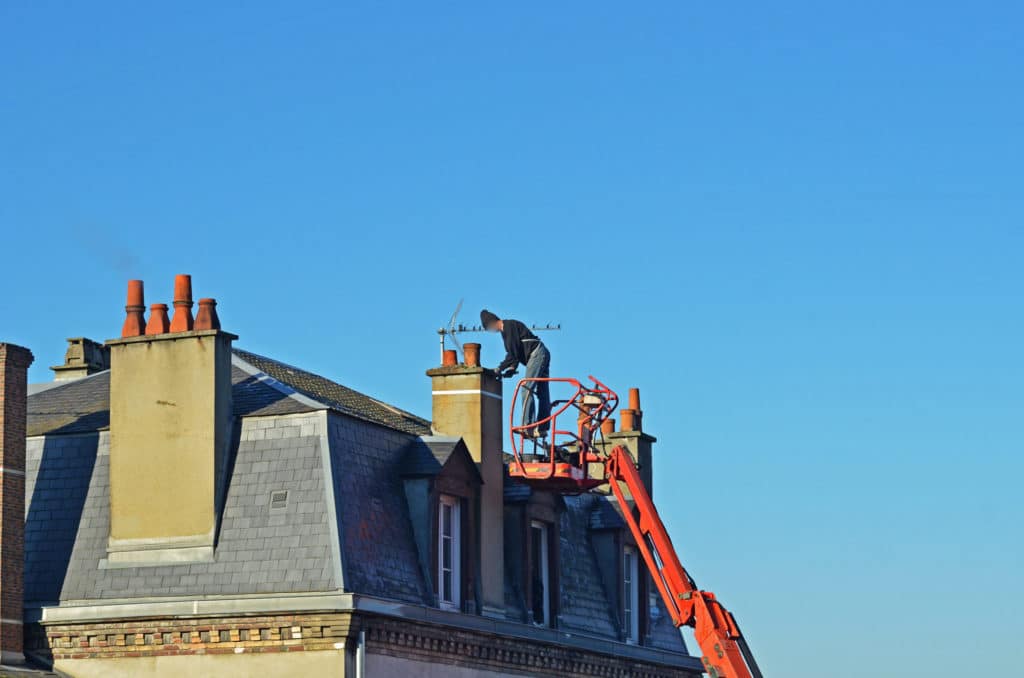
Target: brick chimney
{"points": [[83, 357], [467, 403], [14, 364], [170, 427]]}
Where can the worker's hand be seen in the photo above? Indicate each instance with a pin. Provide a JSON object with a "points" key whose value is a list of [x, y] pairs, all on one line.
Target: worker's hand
{"points": [[509, 373], [496, 372]]}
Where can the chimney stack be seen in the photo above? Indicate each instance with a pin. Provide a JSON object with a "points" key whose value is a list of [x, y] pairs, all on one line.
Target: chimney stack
{"points": [[170, 426], [83, 357], [14, 364], [467, 403], [634, 440]]}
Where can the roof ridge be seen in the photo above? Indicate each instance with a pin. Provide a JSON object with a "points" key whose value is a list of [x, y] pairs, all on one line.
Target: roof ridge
{"points": [[261, 376], [322, 395]]}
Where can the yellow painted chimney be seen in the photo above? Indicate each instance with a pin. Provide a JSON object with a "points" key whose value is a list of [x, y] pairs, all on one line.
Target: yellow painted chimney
{"points": [[467, 403], [170, 428]]}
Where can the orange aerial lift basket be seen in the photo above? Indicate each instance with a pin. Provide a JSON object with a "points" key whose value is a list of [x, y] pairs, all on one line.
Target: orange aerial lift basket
{"points": [[573, 458]]}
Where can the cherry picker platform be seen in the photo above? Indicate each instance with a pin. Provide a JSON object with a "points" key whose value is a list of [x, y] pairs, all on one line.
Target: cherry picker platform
{"points": [[575, 458]]}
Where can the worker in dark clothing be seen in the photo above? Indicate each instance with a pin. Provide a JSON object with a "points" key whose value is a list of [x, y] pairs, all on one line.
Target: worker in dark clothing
{"points": [[523, 347]]}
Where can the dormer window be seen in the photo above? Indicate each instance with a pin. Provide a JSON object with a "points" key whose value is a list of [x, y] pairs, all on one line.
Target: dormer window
{"points": [[449, 552], [630, 594]]}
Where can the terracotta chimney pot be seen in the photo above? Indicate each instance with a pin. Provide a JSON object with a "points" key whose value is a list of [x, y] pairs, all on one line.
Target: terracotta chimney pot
{"points": [[158, 321], [634, 399], [628, 420], [450, 358], [608, 426], [206, 318], [182, 321], [472, 354], [134, 322]]}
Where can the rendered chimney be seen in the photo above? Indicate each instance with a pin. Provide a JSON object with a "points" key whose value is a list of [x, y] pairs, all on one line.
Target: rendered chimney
{"points": [[170, 424], [14, 364], [182, 320], [158, 321], [467, 403], [83, 357], [634, 440], [134, 322]]}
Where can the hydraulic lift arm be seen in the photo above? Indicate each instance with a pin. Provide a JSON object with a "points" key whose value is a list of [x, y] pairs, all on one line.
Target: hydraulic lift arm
{"points": [[726, 654]]}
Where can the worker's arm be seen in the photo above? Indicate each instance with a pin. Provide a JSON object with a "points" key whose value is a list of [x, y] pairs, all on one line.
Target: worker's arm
{"points": [[511, 336]]}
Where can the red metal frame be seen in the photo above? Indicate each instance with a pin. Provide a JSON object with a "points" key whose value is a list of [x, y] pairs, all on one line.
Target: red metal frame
{"points": [[566, 464]]}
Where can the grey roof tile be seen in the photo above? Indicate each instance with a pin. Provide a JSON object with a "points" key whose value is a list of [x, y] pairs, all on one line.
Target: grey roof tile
{"points": [[336, 396]]}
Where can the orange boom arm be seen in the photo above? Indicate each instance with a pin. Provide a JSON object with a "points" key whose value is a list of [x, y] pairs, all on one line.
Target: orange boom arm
{"points": [[726, 654]]}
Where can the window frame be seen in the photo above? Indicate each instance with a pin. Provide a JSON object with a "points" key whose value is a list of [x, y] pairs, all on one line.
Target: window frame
{"points": [[542, 562], [454, 503], [631, 593]]}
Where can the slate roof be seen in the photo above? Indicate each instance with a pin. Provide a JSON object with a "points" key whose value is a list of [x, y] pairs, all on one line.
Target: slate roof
{"points": [[83, 405], [338, 397]]}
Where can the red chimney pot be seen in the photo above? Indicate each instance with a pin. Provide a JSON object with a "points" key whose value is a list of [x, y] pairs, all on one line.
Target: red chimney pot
{"points": [[135, 322], [158, 322], [206, 318], [450, 358], [628, 422], [182, 320], [634, 399], [608, 426], [472, 355]]}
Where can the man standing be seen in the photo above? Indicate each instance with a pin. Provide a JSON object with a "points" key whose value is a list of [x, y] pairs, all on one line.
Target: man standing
{"points": [[523, 347]]}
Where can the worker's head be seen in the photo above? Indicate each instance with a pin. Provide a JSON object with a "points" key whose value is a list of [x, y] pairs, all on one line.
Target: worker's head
{"points": [[490, 321]]}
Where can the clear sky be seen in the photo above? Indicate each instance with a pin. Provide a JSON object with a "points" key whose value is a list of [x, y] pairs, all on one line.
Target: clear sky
{"points": [[798, 229]]}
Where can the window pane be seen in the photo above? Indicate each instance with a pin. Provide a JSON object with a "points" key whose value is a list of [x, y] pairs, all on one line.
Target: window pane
{"points": [[539, 574], [446, 519]]}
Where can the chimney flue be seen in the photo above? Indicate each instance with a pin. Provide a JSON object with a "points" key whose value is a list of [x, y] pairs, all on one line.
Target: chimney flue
{"points": [[634, 413], [182, 320], [634, 399], [472, 354], [206, 318], [608, 426], [158, 322], [450, 358], [628, 422], [134, 322]]}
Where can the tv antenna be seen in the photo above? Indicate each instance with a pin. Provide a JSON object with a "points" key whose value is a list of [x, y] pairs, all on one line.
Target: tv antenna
{"points": [[454, 327]]}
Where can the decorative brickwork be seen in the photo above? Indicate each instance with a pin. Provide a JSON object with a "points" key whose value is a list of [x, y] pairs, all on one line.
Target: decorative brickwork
{"points": [[413, 641], [14, 363], [210, 635], [483, 651]]}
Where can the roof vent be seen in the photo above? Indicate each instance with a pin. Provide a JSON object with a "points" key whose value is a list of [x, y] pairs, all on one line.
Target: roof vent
{"points": [[278, 500]]}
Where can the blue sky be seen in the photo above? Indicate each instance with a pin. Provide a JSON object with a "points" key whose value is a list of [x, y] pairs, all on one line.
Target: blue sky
{"points": [[798, 229]]}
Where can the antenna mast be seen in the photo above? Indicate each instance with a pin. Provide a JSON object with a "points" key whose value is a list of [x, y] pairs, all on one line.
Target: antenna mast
{"points": [[454, 327]]}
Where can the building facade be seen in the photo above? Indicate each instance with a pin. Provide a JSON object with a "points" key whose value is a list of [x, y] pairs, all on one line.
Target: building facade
{"points": [[193, 508]]}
